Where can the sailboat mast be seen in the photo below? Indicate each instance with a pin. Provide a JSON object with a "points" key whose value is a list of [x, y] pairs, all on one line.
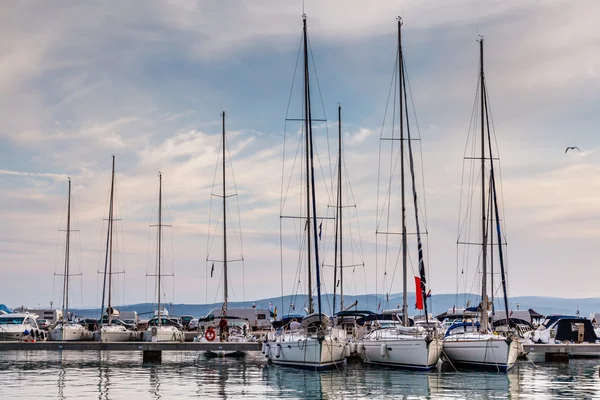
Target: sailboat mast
{"points": [[338, 221], [402, 189], [110, 232], [308, 128], [225, 294], [340, 206], [65, 308], [484, 298], [159, 240]]}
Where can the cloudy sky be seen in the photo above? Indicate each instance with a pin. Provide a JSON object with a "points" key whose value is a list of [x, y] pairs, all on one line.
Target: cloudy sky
{"points": [[147, 81]]}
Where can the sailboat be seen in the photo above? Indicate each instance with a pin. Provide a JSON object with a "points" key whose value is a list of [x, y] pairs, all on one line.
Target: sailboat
{"points": [[160, 327], [395, 345], [111, 330], [65, 330], [238, 329], [314, 343], [472, 343], [345, 318]]}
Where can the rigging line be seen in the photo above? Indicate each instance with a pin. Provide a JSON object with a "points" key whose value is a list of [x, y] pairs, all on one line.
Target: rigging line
{"points": [[424, 198], [237, 202], [498, 222], [350, 192], [391, 175], [499, 170], [322, 106], [281, 261], [415, 200], [471, 129], [377, 218], [299, 147], [285, 123]]}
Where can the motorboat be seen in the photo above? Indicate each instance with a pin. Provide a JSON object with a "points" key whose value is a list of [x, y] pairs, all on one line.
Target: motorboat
{"points": [[20, 326]]}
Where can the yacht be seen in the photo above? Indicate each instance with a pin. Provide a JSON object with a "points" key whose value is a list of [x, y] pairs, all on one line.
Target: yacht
{"points": [[161, 328], [404, 345], [111, 329], [64, 329], [314, 344], [21, 326], [473, 343]]}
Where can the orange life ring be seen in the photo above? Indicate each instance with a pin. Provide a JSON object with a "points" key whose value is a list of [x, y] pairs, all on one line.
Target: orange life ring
{"points": [[210, 334]]}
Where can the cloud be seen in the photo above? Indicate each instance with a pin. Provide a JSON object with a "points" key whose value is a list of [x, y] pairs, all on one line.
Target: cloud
{"points": [[147, 82], [34, 174]]}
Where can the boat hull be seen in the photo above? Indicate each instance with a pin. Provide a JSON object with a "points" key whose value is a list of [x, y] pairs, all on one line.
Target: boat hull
{"points": [[162, 335], [70, 333], [481, 352], [309, 353], [223, 353], [110, 335], [417, 353]]}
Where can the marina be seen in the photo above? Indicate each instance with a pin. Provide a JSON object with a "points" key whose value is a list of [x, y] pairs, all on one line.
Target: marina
{"points": [[216, 256]]}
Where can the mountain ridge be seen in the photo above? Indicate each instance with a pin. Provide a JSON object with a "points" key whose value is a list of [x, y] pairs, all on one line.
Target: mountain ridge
{"points": [[438, 304]]}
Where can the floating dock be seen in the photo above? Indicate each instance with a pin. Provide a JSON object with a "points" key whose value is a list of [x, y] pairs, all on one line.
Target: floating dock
{"points": [[151, 351], [564, 351]]}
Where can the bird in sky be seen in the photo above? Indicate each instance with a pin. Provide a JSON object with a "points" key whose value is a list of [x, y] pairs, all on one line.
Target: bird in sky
{"points": [[571, 148]]}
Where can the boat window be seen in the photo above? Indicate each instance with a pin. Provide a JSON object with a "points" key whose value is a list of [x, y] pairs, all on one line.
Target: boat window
{"points": [[262, 316], [11, 320]]}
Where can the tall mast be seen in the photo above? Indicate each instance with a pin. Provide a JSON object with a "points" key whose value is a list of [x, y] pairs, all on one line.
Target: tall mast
{"points": [[404, 239], [159, 240], [225, 294], [340, 206], [110, 232], [65, 306], [484, 299], [308, 129], [338, 221]]}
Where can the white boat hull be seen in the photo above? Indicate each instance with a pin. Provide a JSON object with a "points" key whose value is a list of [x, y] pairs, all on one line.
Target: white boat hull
{"points": [[481, 351], [224, 353], [70, 333], [162, 334], [108, 334], [417, 353], [12, 335], [307, 353]]}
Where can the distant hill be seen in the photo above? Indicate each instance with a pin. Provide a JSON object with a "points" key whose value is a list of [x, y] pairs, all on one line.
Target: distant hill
{"points": [[438, 304]]}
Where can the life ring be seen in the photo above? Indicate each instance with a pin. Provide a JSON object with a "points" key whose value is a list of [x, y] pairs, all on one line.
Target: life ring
{"points": [[210, 334]]}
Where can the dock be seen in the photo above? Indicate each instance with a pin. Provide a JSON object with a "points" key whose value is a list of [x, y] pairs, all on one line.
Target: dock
{"points": [[564, 351], [151, 351]]}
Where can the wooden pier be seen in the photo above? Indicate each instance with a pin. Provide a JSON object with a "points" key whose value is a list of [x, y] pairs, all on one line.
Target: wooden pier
{"points": [[564, 351], [151, 351]]}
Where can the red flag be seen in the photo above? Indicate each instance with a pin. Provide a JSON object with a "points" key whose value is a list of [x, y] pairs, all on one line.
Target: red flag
{"points": [[419, 293]]}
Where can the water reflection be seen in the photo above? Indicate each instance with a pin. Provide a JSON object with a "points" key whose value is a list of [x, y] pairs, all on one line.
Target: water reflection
{"points": [[122, 375]]}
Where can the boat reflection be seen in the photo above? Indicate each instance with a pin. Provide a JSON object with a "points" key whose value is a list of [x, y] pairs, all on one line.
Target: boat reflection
{"points": [[119, 375]]}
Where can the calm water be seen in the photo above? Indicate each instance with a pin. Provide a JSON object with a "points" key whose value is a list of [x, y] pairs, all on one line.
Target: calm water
{"points": [[70, 375]]}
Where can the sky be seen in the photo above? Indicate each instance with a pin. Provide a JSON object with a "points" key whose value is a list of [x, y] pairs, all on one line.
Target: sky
{"points": [[148, 81]]}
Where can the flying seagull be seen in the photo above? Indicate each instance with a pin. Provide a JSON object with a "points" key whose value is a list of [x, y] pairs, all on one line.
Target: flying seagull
{"points": [[571, 148]]}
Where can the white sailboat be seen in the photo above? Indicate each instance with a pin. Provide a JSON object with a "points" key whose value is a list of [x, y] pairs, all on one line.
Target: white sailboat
{"points": [[65, 330], [161, 328], [315, 344], [473, 344], [111, 330], [405, 346], [238, 331]]}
